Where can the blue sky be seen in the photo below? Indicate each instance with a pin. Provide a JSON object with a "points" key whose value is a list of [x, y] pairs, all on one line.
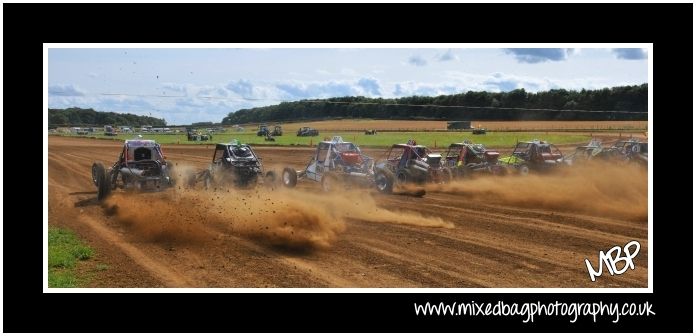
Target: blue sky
{"points": [[192, 85]]}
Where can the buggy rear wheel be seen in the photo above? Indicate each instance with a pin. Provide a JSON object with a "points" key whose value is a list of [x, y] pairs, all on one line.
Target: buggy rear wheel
{"points": [[248, 182], [270, 179], [463, 172], [447, 175], [329, 182], [289, 177], [523, 170], [207, 181], [174, 173], [191, 181], [403, 176], [498, 170]]}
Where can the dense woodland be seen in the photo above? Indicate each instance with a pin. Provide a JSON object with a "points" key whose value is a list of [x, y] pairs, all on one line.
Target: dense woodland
{"points": [[556, 104], [75, 116]]}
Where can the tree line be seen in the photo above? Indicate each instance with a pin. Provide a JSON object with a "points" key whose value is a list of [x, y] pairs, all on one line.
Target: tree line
{"points": [[558, 104], [76, 116]]}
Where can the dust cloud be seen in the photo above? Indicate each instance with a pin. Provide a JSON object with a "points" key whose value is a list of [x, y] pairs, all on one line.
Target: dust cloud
{"points": [[276, 216], [596, 188]]}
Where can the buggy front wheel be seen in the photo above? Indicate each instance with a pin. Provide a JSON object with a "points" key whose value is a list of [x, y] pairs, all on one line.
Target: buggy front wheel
{"points": [[289, 177], [97, 168], [384, 181], [101, 181]]}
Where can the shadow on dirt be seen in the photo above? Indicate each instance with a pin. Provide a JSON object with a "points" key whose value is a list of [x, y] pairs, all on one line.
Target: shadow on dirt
{"points": [[410, 192], [293, 251], [83, 193], [87, 202]]}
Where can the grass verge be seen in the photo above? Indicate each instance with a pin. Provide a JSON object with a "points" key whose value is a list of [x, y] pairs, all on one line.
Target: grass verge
{"points": [[64, 252]]}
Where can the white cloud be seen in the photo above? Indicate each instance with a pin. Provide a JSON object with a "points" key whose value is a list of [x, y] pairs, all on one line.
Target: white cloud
{"points": [[243, 87], [411, 88], [460, 82], [370, 86], [448, 55], [348, 72], [539, 55], [176, 87], [65, 90], [417, 60], [505, 82], [630, 53], [302, 90]]}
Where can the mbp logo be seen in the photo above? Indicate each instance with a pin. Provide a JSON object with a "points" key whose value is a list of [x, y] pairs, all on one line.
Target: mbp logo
{"points": [[612, 257]]}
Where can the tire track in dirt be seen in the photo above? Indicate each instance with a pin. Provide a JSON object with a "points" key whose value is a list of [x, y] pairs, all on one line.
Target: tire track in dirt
{"points": [[607, 224], [545, 228], [170, 277], [535, 245]]}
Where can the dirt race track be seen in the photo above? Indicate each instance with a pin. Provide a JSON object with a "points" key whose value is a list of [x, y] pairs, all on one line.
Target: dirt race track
{"points": [[532, 231]]}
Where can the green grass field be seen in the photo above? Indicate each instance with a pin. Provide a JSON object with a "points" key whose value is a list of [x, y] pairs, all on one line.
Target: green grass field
{"points": [[64, 252], [384, 139]]}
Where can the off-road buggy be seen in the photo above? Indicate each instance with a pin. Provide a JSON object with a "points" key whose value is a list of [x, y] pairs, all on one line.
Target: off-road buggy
{"points": [[585, 153], [466, 158], [626, 151], [267, 134], [110, 131], [307, 131], [478, 131], [192, 135], [338, 164], [234, 164], [141, 166], [263, 130], [534, 155], [413, 163], [277, 130]]}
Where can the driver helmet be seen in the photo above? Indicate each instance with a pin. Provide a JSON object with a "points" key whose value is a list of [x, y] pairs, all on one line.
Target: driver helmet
{"points": [[241, 151]]}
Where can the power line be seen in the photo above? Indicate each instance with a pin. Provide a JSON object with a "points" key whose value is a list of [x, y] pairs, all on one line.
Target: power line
{"points": [[198, 97], [160, 96], [470, 107], [140, 95], [242, 98]]}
